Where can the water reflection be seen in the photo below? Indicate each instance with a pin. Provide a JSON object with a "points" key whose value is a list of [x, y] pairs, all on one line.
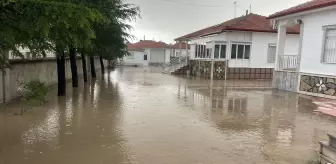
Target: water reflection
{"points": [[136, 115]]}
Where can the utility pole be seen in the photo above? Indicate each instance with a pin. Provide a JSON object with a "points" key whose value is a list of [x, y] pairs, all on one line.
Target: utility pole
{"points": [[250, 8], [235, 8]]}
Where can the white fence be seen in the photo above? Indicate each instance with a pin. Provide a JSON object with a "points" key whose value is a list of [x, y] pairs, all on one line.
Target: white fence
{"points": [[288, 62]]}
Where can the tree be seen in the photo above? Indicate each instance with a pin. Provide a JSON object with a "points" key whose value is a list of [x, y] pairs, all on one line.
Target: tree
{"points": [[48, 25]]}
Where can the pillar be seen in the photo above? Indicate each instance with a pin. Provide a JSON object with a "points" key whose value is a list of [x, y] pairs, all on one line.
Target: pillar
{"points": [[180, 51], [281, 41], [212, 60]]}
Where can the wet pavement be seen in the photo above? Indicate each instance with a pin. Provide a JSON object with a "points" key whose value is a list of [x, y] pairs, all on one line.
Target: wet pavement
{"points": [[141, 116]]}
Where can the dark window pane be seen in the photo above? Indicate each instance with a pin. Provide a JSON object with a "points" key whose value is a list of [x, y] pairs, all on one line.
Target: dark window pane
{"points": [[240, 54], [234, 51], [196, 51], [217, 51], [247, 52], [223, 52], [209, 50], [145, 57]]}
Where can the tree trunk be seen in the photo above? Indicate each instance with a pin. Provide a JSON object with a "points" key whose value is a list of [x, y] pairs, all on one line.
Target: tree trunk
{"points": [[93, 68], [102, 67], [61, 72], [73, 66], [84, 67]]}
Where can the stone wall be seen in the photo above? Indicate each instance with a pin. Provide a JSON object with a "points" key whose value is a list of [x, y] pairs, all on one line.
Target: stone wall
{"points": [[318, 85], [203, 69], [284, 80], [25, 71]]}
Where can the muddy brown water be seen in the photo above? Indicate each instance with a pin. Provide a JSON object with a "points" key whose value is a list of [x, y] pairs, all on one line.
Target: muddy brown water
{"points": [[141, 116]]}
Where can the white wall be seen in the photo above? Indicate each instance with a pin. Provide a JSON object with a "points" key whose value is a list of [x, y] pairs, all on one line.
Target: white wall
{"points": [[167, 55], [260, 43], [236, 36], [138, 59], [312, 43], [157, 55]]}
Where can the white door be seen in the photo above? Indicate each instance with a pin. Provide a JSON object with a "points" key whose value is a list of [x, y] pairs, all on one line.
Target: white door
{"points": [[145, 60]]}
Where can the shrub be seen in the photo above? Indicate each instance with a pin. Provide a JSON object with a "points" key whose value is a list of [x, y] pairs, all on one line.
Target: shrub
{"points": [[34, 93]]}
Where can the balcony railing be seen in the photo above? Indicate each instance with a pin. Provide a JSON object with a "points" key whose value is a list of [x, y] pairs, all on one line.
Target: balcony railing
{"points": [[288, 62]]}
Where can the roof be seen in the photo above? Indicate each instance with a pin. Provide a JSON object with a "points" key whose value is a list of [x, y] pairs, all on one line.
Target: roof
{"points": [[310, 5], [251, 22], [177, 46], [146, 44]]}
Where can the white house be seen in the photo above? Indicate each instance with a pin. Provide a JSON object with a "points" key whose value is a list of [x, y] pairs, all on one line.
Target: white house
{"points": [[147, 52], [240, 48], [313, 71]]}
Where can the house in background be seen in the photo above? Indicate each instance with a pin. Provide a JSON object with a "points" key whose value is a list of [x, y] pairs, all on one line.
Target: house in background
{"points": [[315, 65], [146, 52], [179, 49], [137, 56], [241, 48]]}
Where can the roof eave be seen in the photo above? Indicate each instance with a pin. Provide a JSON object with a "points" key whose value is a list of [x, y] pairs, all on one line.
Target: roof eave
{"points": [[325, 6]]}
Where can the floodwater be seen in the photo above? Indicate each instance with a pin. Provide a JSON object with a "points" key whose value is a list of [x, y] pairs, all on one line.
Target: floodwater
{"points": [[141, 116]]}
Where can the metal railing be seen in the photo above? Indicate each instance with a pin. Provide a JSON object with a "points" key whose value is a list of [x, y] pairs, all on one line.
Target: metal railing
{"points": [[288, 62], [175, 64]]}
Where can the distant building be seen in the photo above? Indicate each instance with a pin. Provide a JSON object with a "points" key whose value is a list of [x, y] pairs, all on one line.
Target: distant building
{"points": [[243, 47], [147, 52], [313, 71]]}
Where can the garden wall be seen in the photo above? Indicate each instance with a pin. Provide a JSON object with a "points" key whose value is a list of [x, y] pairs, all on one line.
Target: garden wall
{"points": [[22, 71]]}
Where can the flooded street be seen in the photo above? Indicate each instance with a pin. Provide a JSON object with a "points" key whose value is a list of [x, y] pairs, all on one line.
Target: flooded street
{"points": [[141, 116]]}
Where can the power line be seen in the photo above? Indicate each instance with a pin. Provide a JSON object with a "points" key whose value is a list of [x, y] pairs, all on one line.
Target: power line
{"points": [[193, 4]]}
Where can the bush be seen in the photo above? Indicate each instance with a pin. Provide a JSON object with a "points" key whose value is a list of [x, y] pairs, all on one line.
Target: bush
{"points": [[34, 93]]}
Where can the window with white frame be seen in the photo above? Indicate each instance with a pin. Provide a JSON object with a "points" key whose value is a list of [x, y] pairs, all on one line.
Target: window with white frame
{"points": [[240, 51], [201, 51], [329, 49], [271, 53], [220, 51]]}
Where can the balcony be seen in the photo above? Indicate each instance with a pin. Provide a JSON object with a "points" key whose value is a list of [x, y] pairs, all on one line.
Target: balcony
{"points": [[288, 62]]}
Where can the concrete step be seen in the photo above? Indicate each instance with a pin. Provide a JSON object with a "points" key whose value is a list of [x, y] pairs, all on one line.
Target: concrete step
{"points": [[332, 141], [326, 160], [327, 151]]}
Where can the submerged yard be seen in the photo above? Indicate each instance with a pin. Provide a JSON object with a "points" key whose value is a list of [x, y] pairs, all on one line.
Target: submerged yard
{"points": [[141, 116]]}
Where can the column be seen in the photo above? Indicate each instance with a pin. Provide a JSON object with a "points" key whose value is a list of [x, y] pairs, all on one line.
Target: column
{"points": [[300, 47], [180, 51], [187, 46], [280, 44], [212, 59]]}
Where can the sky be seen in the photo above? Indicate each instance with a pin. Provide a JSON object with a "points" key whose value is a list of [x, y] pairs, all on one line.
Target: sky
{"points": [[165, 20]]}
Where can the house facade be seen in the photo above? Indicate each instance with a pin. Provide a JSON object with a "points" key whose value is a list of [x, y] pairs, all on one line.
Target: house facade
{"points": [[313, 71], [241, 48], [147, 52]]}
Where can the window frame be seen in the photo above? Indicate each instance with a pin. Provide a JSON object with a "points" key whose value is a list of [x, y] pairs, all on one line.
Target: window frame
{"points": [[324, 39], [268, 50], [220, 44], [237, 45]]}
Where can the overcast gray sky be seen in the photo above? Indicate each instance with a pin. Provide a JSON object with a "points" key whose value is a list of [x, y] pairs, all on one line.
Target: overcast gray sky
{"points": [[164, 20]]}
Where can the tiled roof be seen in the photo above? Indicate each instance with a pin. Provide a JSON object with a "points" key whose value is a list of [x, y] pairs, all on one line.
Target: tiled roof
{"points": [[250, 22], [146, 44], [177, 46], [311, 5]]}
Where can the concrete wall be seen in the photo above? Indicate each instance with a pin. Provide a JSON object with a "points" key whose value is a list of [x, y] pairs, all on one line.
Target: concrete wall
{"points": [[260, 44], [44, 70], [312, 43], [136, 59], [284, 80]]}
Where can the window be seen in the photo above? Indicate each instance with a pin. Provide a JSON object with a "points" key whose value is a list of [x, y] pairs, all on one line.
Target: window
{"points": [[271, 53], [220, 51], [201, 51], [209, 51], [240, 51], [145, 57], [131, 55], [329, 50]]}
